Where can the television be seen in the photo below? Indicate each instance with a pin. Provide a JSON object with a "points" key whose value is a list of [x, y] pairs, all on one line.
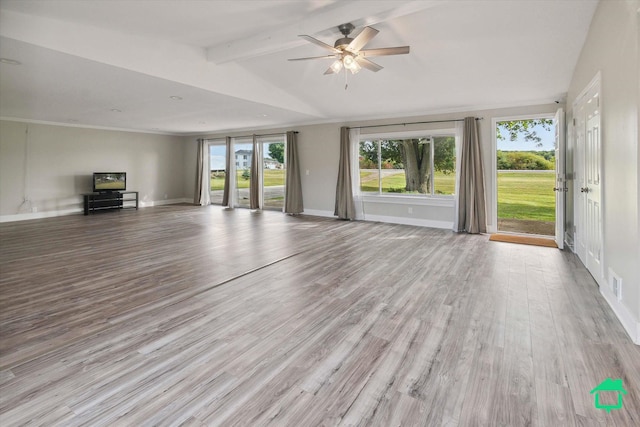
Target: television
{"points": [[104, 182]]}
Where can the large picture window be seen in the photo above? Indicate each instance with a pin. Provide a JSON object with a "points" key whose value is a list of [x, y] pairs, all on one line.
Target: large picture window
{"points": [[423, 165]]}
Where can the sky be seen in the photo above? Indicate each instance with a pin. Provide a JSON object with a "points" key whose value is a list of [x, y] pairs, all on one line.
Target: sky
{"points": [[522, 145], [217, 156]]}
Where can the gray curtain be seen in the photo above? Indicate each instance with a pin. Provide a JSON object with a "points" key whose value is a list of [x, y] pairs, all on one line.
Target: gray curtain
{"points": [[293, 188], [472, 216], [254, 180], [203, 175], [227, 174], [345, 208]]}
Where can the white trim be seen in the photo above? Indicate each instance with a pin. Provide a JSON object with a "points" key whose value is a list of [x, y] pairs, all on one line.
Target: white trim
{"points": [[443, 201], [73, 211], [315, 212], [163, 202], [626, 318], [39, 215], [594, 81], [469, 110], [79, 125], [448, 225]]}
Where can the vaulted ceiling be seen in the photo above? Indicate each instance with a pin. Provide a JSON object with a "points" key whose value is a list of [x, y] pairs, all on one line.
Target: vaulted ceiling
{"points": [[185, 66]]}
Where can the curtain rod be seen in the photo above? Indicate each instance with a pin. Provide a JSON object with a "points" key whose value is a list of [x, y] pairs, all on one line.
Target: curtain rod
{"points": [[263, 135], [411, 123]]}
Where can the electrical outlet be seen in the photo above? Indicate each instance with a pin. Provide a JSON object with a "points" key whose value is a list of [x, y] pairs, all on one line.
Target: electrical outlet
{"points": [[410, 210]]}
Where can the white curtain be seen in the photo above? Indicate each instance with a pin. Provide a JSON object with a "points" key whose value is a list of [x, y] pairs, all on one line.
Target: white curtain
{"points": [[203, 174], [231, 174], [456, 196], [354, 142]]}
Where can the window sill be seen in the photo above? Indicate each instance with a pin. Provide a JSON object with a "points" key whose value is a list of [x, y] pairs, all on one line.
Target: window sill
{"points": [[444, 201]]}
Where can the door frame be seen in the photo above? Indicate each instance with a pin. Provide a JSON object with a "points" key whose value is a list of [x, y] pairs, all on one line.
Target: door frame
{"points": [[560, 148], [493, 178]]}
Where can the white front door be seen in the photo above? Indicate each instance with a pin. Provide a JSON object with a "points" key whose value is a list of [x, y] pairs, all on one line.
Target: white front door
{"points": [[588, 189], [592, 189], [560, 188], [580, 200]]}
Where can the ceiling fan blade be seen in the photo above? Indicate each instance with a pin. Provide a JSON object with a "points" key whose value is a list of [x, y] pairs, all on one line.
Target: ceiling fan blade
{"points": [[365, 63], [362, 39], [330, 70], [400, 50], [320, 43], [314, 57]]}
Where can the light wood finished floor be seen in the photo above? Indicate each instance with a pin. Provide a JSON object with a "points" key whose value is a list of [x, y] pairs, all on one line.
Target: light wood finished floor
{"points": [[181, 315]]}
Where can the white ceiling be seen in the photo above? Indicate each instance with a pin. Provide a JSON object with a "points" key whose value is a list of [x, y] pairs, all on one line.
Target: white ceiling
{"points": [[227, 60]]}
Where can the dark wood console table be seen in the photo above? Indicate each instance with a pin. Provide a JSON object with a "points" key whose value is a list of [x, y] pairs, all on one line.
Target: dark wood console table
{"points": [[94, 202]]}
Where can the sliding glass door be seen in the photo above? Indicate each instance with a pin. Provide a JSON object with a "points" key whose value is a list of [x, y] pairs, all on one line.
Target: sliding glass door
{"points": [[243, 152], [270, 171], [217, 165], [273, 172]]}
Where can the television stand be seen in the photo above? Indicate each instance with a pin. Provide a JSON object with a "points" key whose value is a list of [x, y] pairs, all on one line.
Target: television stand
{"points": [[94, 202]]}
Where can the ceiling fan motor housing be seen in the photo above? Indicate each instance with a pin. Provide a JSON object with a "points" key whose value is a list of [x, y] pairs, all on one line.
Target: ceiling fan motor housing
{"points": [[345, 29], [342, 43]]}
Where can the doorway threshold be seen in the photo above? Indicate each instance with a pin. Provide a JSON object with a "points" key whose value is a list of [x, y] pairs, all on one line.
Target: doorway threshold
{"points": [[524, 239]]}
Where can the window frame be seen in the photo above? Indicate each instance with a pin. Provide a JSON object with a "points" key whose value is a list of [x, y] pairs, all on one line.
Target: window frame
{"points": [[420, 199]]}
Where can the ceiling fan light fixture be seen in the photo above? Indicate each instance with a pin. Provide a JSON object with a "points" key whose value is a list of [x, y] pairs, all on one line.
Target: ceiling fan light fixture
{"points": [[355, 67], [336, 66], [350, 63]]}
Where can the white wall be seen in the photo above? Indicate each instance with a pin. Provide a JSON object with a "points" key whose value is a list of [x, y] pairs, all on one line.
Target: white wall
{"points": [[611, 47], [319, 155], [60, 161]]}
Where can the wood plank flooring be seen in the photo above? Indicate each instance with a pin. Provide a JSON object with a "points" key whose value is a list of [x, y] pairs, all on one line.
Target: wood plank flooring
{"points": [[181, 315]]}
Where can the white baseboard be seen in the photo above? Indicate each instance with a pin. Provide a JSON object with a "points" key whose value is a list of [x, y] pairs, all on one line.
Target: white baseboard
{"points": [[629, 322], [314, 212], [410, 221], [39, 215], [163, 202], [79, 210], [390, 219]]}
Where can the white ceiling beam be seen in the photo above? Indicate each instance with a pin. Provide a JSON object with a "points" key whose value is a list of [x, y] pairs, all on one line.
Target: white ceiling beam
{"points": [[163, 59], [358, 13]]}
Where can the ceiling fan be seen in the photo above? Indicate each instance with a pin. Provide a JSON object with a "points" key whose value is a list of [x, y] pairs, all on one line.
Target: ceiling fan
{"points": [[348, 52]]}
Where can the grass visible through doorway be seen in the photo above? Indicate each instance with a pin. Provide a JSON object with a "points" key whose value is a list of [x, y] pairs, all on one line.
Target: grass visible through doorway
{"points": [[526, 202], [526, 195]]}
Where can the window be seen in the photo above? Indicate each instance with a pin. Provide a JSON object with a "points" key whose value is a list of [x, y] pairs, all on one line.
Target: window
{"points": [[421, 165], [217, 164]]}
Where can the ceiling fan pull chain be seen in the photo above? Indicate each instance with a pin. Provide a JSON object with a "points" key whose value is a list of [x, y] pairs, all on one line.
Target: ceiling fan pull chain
{"points": [[346, 79]]}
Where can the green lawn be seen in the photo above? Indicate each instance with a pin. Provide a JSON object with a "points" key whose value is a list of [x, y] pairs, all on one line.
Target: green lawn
{"points": [[271, 177], [444, 184], [523, 195]]}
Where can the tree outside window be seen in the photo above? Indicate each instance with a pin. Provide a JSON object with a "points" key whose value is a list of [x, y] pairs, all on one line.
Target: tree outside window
{"points": [[421, 166]]}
